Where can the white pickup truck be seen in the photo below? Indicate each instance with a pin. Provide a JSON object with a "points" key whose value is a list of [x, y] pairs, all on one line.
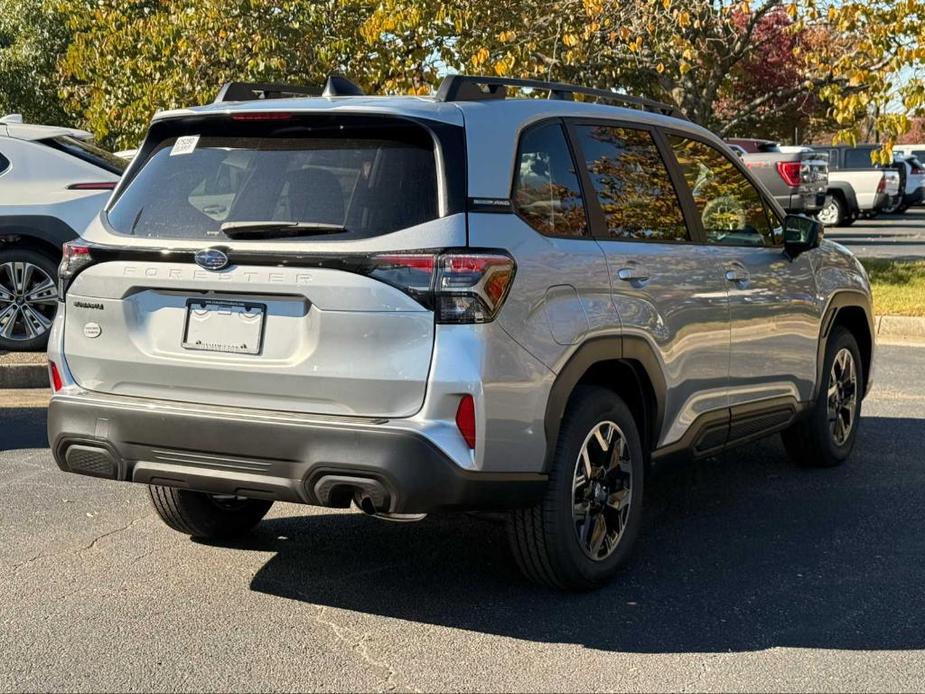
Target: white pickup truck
{"points": [[856, 187]]}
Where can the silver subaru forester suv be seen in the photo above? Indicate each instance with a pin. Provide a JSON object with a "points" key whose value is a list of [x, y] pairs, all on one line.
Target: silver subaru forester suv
{"points": [[459, 302]]}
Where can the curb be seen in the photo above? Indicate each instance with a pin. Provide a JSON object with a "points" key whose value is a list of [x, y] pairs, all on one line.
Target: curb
{"points": [[30, 370], [23, 370]]}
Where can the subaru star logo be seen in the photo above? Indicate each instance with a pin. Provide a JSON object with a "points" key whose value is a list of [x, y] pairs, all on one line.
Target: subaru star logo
{"points": [[211, 259]]}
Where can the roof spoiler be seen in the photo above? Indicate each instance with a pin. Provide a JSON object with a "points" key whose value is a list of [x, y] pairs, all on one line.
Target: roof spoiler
{"points": [[336, 85]]}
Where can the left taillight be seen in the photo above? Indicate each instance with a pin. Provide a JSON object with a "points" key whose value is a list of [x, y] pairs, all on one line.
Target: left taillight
{"points": [[461, 287], [75, 255]]}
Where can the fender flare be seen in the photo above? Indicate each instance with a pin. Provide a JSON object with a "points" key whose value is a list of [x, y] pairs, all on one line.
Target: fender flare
{"points": [[626, 348], [841, 299], [847, 191], [47, 229]]}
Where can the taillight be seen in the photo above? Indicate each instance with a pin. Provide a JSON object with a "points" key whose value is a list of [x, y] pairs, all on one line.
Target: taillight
{"points": [[882, 185], [55, 377], [465, 420], [459, 287], [98, 185], [916, 171], [75, 255], [790, 172]]}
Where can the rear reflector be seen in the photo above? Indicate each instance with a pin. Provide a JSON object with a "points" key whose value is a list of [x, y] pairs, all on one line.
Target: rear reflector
{"points": [[98, 185], [56, 382], [465, 420]]}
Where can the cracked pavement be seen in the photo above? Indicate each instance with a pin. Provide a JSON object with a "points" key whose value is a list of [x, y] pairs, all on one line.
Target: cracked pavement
{"points": [[750, 575]]}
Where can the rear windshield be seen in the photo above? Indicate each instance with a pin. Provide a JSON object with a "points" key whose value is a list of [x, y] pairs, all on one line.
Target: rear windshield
{"points": [[89, 153], [369, 176]]}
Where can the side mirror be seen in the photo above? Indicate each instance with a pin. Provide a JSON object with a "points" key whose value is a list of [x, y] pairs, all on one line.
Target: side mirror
{"points": [[801, 233]]}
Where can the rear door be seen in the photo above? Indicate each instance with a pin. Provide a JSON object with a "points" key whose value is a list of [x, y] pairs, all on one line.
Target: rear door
{"points": [[775, 322], [665, 285], [326, 321]]}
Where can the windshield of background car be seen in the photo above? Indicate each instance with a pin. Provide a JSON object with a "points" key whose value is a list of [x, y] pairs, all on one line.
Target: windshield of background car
{"points": [[371, 176]]}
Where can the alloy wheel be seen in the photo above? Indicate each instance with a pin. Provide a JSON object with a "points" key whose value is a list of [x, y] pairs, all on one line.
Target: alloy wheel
{"points": [[828, 215], [28, 300], [842, 396], [602, 490]]}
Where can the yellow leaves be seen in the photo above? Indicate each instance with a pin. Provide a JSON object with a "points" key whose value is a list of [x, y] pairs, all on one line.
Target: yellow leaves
{"points": [[684, 67], [660, 68], [684, 19], [856, 78], [507, 36], [792, 10], [745, 7], [570, 40], [480, 57]]}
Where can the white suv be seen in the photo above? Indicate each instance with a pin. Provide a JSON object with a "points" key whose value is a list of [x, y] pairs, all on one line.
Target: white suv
{"points": [[52, 183]]}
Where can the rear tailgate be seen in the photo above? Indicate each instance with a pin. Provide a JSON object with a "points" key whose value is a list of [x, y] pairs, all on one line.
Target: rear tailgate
{"points": [[326, 321], [329, 342]]}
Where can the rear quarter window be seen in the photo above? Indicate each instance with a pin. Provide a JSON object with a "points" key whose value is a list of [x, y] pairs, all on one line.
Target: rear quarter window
{"points": [[371, 177], [87, 152]]}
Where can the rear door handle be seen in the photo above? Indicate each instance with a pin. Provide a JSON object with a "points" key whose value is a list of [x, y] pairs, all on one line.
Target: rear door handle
{"points": [[632, 274]]}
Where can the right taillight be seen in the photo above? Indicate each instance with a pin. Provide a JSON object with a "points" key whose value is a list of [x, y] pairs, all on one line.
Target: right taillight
{"points": [[54, 376], [461, 287]]}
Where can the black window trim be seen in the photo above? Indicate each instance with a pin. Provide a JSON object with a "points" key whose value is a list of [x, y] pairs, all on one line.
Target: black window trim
{"points": [[563, 126], [770, 209], [596, 213]]}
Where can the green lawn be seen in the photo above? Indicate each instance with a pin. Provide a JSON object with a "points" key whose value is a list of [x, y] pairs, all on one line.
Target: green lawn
{"points": [[898, 286]]}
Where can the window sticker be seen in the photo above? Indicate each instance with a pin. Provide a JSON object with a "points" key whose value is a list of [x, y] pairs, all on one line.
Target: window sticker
{"points": [[184, 145]]}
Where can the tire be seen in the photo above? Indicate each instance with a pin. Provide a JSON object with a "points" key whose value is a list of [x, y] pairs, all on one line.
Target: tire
{"points": [[544, 539], [833, 212], [206, 516], [812, 441], [27, 302]]}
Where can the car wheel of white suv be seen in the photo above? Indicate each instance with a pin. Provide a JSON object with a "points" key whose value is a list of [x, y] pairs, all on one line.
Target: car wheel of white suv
{"points": [[28, 299], [583, 530]]}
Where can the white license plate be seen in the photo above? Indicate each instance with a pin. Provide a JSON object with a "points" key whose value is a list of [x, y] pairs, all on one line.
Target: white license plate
{"points": [[224, 326]]}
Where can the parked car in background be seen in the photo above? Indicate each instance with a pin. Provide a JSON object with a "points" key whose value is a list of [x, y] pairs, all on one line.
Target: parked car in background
{"points": [[913, 150], [912, 175], [855, 186], [465, 302], [53, 181], [797, 177]]}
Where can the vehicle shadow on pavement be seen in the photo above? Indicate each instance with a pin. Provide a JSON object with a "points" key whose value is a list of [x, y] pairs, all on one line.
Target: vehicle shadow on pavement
{"points": [[22, 428], [739, 553]]}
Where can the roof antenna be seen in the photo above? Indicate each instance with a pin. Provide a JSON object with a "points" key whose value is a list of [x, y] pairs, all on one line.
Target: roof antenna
{"points": [[338, 85]]}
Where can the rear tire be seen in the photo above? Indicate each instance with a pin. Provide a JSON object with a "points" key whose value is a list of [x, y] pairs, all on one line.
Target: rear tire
{"points": [[207, 516], [817, 440], [583, 530], [833, 212]]}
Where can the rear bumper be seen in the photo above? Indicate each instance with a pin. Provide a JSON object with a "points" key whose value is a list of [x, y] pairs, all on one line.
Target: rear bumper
{"points": [[271, 455]]}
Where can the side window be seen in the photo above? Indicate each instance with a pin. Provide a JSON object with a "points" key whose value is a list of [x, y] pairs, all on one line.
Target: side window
{"points": [[546, 190], [632, 184], [858, 159], [730, 207], [4, 163]]}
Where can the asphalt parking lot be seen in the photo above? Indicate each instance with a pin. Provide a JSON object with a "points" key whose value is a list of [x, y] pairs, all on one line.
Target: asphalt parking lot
{"points": [[888, 236], [751, 574]]}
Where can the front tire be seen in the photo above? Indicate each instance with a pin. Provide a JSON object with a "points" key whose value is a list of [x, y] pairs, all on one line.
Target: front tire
{"points": [[207, 516], [825, 437], [583, 530]]}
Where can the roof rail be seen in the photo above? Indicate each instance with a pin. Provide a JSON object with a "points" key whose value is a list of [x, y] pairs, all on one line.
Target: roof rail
{"points": [[475, 88], [251, 91]]}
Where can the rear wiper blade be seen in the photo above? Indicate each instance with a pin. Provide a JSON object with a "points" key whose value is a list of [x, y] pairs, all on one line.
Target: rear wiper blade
{"points": [[278, 230]]}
